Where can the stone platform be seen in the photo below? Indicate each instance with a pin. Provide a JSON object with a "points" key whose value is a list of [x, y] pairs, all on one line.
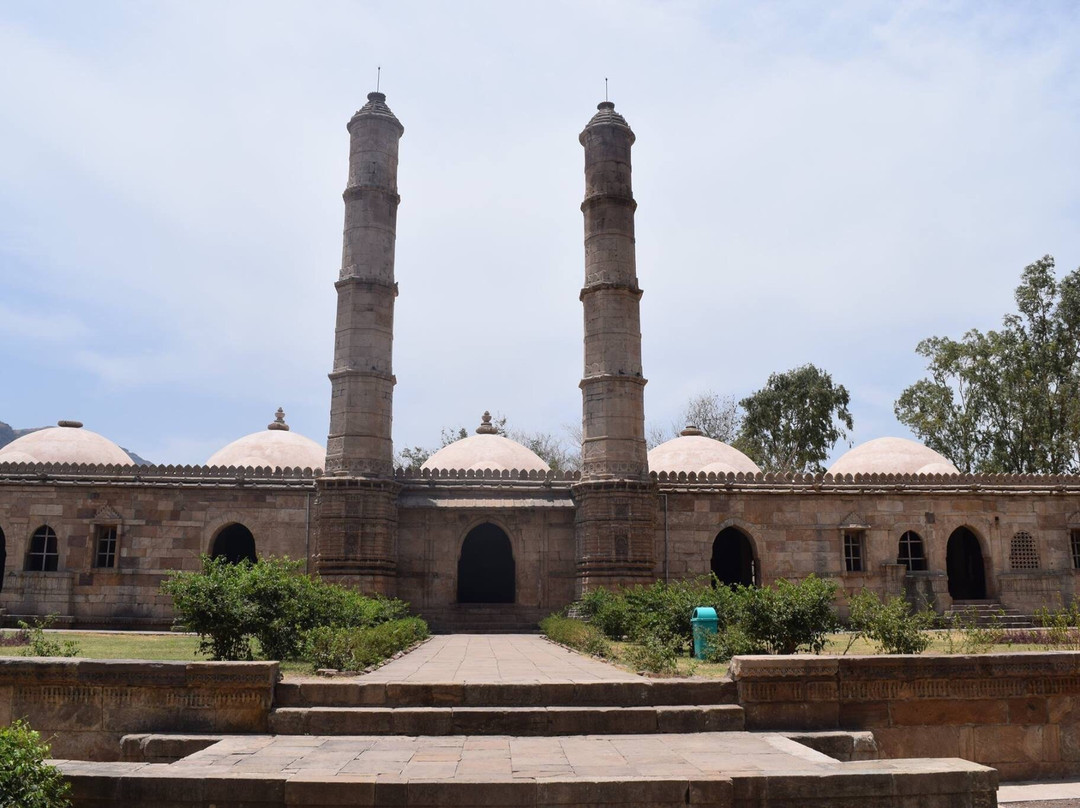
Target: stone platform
{"points": [[730, 770]]}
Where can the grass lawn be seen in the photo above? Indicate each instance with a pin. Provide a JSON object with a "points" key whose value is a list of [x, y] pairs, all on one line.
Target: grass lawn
{"points": [[835, 645], [126, 645]]}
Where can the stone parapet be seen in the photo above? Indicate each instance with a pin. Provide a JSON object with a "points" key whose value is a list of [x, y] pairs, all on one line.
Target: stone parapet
{"points": [[61, 473], [85, 706], [1019, 713]]}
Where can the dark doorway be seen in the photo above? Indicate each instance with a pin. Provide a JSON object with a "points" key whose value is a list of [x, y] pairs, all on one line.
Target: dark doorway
{"points": [[485, 571], [964, 564], [733, 558], [3, 558], [235, 543]]}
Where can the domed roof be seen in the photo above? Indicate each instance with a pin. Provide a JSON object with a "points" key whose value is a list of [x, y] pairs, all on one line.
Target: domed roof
{"points": [[274, 447], [67, 442], [486, 450], [692, 451], [892, 456]]}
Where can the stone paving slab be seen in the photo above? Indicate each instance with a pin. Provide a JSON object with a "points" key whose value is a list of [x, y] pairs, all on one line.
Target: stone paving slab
{"points": [[736, 769], [1058, 793], [496, 658]]}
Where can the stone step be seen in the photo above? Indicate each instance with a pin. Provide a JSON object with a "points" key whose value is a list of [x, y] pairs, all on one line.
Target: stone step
{"points": [[516, 721], [633, 693]]}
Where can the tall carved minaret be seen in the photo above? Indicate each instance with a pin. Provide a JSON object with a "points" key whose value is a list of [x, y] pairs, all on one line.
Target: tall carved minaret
{"points": [[361, 404], [356, 542], [616, 501]]}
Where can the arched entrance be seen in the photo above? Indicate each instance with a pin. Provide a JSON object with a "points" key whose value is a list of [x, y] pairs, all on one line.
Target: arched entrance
{"points": [[733, 559], [964, 564], [235, 543], [485, 570]]}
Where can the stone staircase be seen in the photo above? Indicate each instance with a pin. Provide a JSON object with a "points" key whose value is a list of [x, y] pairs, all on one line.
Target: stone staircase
{"points": [[484, 618], [541, 709], [988, 614]]}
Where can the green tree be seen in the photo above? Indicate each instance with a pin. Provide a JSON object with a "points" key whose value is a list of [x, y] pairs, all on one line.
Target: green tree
{"points": [[1007, 401], [794, 420]]}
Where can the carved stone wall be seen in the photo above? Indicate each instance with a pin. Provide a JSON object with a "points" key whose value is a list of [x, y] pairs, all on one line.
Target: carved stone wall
{"points": [[84, 707], [1019, 713]]}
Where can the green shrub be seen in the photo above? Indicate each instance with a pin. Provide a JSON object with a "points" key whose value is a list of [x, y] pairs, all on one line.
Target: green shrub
{"points": [[26, 780], [576, 634], [271, 601], [653, 654], [608, 611], [891, 624], [41, 644], [354, 649], [788, 616], [732, 640]]}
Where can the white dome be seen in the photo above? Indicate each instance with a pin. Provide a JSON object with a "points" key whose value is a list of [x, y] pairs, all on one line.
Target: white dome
{"points": [[692, 451], [892, 456], [274, 447], [66, 443], [486, 450]]}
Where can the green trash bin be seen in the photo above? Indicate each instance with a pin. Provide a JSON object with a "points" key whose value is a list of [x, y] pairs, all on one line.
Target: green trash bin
{"points": [[704, 624]]}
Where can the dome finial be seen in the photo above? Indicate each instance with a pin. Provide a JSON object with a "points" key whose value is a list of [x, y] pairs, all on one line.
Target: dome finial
{"points": [[691, 431], [279, 421], [486, 427], [70, 424]]}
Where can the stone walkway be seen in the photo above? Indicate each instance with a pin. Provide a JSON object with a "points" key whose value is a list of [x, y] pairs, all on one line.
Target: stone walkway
{"points": [[1056, 793], [495, 658]]}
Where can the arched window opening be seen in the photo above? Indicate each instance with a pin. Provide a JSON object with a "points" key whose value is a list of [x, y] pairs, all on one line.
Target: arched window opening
{"points": [[42, 555], [234, 543], [912, 554], [486, 570], [1023, 554], [3, 558], [733, 559], [964, 565]]}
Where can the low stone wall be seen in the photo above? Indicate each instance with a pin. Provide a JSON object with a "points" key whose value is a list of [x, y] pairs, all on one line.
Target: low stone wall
{"points": [[84, 706], [1019, 713]]}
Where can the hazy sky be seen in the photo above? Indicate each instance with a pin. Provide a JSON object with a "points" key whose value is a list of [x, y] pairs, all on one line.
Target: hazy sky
{"points": [[817, 182]]}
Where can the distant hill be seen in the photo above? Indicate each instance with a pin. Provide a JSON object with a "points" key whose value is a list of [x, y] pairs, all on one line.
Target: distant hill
{"points": [[8, 434]]}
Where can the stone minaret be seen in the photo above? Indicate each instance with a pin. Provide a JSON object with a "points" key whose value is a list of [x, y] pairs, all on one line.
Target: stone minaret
{"points": [[361, 404], [616, 501], [357, 501]]}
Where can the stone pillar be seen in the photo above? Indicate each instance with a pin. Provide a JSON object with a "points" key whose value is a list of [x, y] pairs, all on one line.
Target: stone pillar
{"points": [[356, 542], [616, 502]]}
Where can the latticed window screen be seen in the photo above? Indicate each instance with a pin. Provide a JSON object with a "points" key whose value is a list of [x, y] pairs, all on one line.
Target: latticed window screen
{"points": [[1022, 552], [42, 555], [853, 550], [106, 546], [911, 554], [1074, 545]]}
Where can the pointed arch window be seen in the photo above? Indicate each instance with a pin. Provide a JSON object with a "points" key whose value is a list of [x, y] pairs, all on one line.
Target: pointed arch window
{"points": [[912, 553], [42, 555]]}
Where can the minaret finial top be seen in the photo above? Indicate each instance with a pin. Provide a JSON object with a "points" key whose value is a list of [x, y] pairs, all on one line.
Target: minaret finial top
{"points": [[607, 116], [486, 427], [279, 421]]}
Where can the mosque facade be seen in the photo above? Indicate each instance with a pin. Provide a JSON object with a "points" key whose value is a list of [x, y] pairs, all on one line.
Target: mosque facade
{"points": [[484, 536]]}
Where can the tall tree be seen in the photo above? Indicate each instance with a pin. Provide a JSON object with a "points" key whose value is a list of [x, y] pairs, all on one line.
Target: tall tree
{"points": [[794, 420], [716, 416], [1007, 401]]}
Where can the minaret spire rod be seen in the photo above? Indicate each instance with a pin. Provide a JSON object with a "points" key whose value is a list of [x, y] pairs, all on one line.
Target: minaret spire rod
{"points": [[605, 88], [378, 77]]}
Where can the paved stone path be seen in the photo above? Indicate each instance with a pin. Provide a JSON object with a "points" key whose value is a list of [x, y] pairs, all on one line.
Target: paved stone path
{"points": [[503, 658], [1056, 793]]}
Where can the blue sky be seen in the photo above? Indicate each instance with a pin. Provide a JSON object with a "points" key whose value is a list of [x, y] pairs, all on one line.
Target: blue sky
{"points": [[822, 183]]}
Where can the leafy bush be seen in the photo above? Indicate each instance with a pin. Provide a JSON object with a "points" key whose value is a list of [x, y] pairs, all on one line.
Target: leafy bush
{"points": [[576, 634], [891, 624], [26, 780], [788, 616], [270, 601], [653, 654], [41, 644], [732, 640], [354, 649], [607, 610]]}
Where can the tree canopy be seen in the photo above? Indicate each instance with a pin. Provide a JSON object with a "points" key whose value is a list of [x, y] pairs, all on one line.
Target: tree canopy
{"points": [[1007, 401], [793, 422]]}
